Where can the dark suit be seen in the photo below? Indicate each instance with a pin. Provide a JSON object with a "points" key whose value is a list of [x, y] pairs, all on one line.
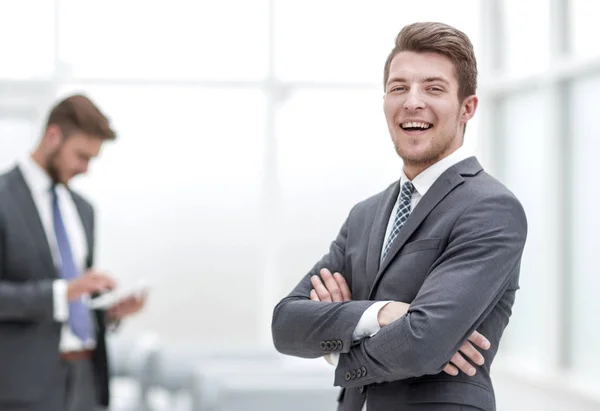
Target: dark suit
{"points": [[32, 370], [456, 261]]}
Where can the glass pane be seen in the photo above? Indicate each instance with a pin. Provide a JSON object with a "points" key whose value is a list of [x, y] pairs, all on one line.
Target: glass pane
{"points": [[17, 138], [526, 34], [585, 29], [177, 39], [178, 197], [334, 150], [526, 132], [350, 40], [585, 134], [27, 39]]}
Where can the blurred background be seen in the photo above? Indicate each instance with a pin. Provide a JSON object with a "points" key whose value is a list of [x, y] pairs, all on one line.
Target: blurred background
{"points": [[247, 131]]}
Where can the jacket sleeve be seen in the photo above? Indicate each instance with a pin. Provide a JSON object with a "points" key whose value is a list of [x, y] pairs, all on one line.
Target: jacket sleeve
{"points": [[310, 329], [27, 301]]}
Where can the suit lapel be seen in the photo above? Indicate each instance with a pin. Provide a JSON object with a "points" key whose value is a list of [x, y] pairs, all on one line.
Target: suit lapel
{"points": [[376, 238], [24, 201], [86, 220], [447, 182]]}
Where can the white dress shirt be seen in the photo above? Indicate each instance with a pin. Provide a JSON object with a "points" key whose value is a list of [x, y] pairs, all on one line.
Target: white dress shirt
{"points": [[39, 183], [368, 325]]}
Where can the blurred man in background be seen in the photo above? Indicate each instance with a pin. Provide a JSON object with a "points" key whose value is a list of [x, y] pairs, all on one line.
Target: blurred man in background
{"points": [[423, 265], [52, 346]]}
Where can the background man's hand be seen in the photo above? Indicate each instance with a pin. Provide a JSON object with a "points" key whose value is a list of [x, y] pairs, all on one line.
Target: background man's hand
{"points": [[90, 282], [127, 307], [333, 288]]}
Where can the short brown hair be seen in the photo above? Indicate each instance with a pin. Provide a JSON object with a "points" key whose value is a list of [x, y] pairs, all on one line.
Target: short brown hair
{"points": [[77, 113], [442, 39]]}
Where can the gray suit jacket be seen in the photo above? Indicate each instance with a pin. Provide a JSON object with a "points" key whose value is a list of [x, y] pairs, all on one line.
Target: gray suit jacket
{"points": [[456, 261], [29, 335]]}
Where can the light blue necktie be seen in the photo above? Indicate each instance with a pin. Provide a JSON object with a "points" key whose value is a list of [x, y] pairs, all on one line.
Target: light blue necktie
{"points": [[401, 215], [80, 319]]}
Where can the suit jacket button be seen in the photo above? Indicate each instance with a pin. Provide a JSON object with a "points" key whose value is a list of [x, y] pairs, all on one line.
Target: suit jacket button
{"points": [[339, 345], [361, 389], [328, 345], [364, 370], [359, 373], [347, 376], [353, 374], [323, 346]]}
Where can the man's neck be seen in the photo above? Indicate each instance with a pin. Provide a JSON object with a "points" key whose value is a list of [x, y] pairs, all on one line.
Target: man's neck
{"points": [[411, 170]]}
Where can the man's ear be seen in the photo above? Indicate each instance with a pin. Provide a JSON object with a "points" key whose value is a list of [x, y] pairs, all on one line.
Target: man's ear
{"points": [[469, 107], [53, 136]]}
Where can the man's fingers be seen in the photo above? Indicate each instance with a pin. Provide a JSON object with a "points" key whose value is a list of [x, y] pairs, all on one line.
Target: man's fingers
{"points": [[459, 362], [450, 369], [472, 353], [341, 281], [331, 285], [314, 296], [320, 289], [479, 340]]}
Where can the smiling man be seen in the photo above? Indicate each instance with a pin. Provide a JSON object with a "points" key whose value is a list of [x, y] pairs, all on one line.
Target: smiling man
{"points": [[423, 268]]}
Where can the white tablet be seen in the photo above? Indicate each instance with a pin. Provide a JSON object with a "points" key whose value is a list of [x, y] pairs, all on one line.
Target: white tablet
{"points": [[113, 297]]}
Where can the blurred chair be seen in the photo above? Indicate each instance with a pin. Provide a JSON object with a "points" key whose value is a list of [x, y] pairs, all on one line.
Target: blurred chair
{"points": [[262, 386], [132, 361], [172, 382]]}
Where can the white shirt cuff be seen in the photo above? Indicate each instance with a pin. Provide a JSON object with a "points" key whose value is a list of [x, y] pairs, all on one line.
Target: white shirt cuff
{"points": [[61, 305], [368, 325], [334, 357]]}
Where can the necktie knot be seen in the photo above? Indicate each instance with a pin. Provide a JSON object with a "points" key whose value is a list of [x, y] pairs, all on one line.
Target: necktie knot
{"points": [[53, 192], [408, 189]]}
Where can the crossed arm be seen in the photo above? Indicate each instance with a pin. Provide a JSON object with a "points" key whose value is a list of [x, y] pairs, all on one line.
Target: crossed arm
{"points": [[333, 288], [481, 259]]}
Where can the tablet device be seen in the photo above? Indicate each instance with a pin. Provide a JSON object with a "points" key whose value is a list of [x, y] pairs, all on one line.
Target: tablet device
{"points": [[107, 300]]}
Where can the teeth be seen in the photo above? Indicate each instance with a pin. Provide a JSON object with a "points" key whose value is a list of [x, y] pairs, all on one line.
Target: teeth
{"points": [[414, 124]]}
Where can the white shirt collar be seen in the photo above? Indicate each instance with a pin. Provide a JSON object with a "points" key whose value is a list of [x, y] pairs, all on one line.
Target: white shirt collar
{"points": [[424, 180], [35, 176]]}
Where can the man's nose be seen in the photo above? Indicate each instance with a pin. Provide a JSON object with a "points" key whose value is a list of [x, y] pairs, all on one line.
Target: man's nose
{"points": [[414, 100]]}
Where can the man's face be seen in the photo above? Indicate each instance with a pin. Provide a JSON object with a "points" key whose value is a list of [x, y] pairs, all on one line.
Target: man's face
{"points": [[421, 106], [72, 155]]}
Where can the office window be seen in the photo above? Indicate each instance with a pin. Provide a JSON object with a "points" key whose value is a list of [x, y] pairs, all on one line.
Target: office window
{"points": [[17, 137], [27, 39], [585, 194], [348, 41], [526, 162], [178, 198], [585, 30], [340, 156], [179, 39], [526, 50]]}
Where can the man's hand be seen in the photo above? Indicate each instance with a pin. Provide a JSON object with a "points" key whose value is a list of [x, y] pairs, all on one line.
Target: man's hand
{"points": [[391, 312], [127, 307], [329, 287], [471, 353], [90, 282], [395, 310]]}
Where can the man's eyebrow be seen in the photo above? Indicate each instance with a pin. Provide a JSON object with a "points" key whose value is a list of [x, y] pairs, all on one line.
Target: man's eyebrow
{"points": [[432, 79]]}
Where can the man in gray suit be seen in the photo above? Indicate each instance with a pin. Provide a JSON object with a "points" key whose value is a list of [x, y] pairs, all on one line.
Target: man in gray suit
{"points": [[423, 265], [52, 347]]}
